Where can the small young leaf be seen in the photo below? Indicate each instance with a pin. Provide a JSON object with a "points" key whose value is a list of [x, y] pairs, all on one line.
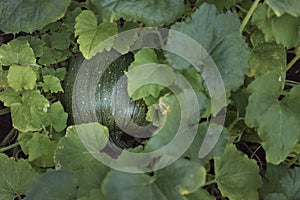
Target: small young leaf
{"points": [[10, 96], [52, 56], [60, 73], [58, 116], [51, 83], [21, 77], [35, 43], [148, 73]]}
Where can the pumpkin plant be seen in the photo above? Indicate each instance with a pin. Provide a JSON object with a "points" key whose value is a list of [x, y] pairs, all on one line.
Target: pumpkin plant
{"points": [[255, 46]]}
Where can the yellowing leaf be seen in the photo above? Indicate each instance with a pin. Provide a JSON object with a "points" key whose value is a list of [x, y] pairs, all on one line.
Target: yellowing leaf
{"points": [[10, 96], [29, 114], [16, 52], [21, 77], [267, 57]]}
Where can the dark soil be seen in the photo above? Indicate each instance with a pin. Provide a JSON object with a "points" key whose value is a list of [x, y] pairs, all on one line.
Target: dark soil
{"points": [[293, 74], [5, 123]]}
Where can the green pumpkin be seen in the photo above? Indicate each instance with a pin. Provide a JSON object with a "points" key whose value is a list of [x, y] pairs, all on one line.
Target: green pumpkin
{"points": [[113, 107]]}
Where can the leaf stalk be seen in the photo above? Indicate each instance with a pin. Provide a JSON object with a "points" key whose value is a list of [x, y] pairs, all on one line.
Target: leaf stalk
{"points": [[9, 147], [248, 15]]}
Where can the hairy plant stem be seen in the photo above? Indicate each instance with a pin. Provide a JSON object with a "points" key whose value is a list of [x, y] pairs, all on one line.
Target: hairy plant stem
{"points": [[9, 147], [292, 162], [209, 183], [249, 14], [4, 111], [292, 62], [8, 137]]}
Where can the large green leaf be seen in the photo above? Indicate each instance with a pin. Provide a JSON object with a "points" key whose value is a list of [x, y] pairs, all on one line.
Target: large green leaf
{"points": [[219, 35], [288, 6], [218, 148], [51, 83], [220, 4], [71, 153], [90, 34], [291, 183], [275, 196], [267, 57], [15, 177], [91, 177], [277, 121], [281, 183], [152, 13], [30, 15], [161, 186], [53, 185], [284, 29], [271, 179], [236, 175], [16, 52], [200, 194]]}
